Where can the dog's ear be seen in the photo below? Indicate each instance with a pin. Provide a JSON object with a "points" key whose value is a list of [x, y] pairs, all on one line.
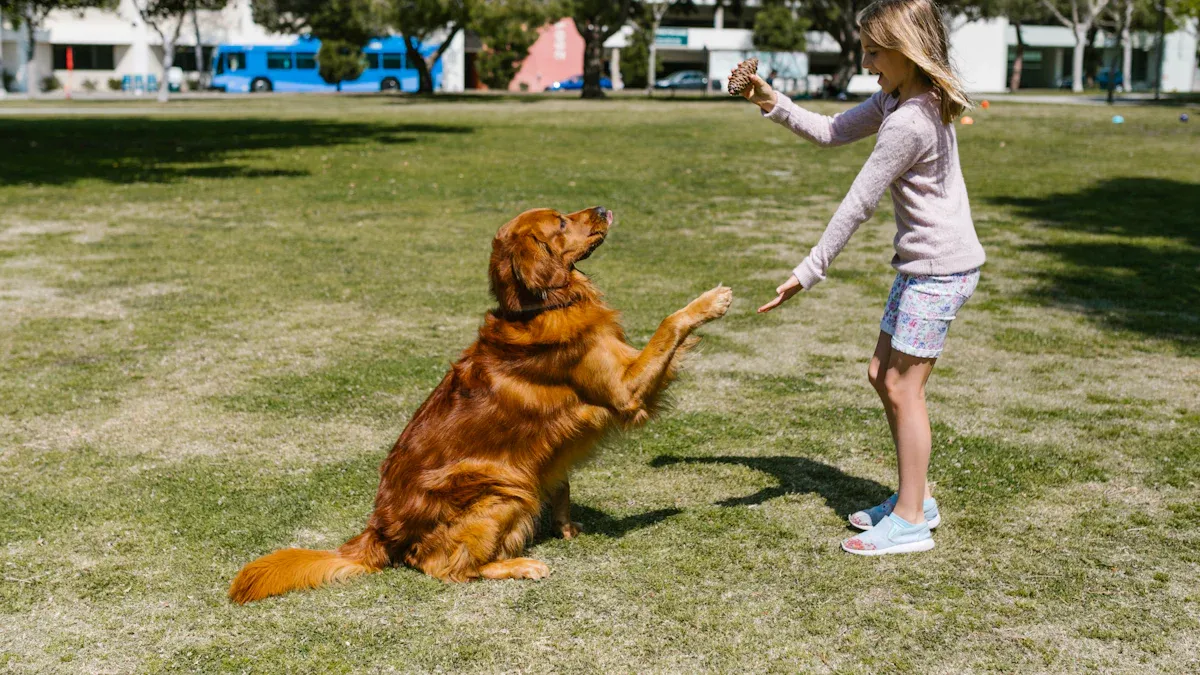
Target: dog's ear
{"points": [[536, 267]]}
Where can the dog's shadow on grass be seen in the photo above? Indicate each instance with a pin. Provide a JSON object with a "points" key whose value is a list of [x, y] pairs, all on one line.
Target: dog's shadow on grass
{"points": [[842, 492], [595, 521]]}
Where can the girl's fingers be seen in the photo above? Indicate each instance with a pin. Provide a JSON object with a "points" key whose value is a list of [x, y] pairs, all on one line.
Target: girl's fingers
{"points": [[771, 305]]}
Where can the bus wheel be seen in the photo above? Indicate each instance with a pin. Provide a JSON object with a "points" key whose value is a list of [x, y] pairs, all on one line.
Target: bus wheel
{"points": [[389, 84], [260, 84]]}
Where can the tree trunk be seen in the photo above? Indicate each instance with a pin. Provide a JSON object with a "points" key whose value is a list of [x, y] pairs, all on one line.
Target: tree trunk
{"points": [[435, 57], [3, 90], [31, 84], [1112, 77], [202, 82], [651, 70], [593, 61], [1127, 48], [847, 65], [1019, 62], [1092, 57], [1077, 59], [164, 89], [413, 56]]}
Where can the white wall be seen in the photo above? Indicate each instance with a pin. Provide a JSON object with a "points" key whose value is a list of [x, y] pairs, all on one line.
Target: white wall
{"points": [[1179, 61], [979, 51]]}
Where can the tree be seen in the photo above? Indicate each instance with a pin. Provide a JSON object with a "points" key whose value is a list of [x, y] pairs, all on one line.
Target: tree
{"points": [[778, 27], [1019, 13], [652, 16], [344, 25], [338, 61], [839, 18], [1083, 14], [353, 21], [596, 21], [507, 30], [30, 14], [419, 20], [636, 70], [167, 17]]}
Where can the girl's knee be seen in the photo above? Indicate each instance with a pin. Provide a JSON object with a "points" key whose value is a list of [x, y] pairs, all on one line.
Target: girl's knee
{"points": [[899, 390], [875, 375]]}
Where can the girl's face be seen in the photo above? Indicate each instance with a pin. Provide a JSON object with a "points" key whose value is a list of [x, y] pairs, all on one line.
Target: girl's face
{"points": [[893, 68]]}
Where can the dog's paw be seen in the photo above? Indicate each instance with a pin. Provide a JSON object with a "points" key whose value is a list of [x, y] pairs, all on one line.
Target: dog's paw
{"points": [[568, 530], [713, 304], [527, 568]]}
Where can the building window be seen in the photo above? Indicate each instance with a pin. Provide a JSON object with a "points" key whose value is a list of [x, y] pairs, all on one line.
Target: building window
{"points": [[185, 58], [279, 61], [86, 57], [393, 61], [306, 62]]}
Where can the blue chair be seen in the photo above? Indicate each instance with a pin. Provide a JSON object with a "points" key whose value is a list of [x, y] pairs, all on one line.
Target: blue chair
{"points": [[151, 83], [139, 85], [127, 84]]}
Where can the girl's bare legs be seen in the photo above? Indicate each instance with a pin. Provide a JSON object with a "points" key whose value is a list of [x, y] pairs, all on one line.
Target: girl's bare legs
{"points": [[900, 380]]}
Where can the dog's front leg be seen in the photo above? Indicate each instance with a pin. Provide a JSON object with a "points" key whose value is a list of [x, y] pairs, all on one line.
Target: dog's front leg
{"points": [[560, 511], [643, 378]]}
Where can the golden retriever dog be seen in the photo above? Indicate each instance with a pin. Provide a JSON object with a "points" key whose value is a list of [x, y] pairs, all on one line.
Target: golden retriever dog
{"points": [[549, 375]]}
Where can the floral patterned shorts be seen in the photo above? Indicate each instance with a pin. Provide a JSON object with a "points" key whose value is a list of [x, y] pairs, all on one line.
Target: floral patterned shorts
{"points": [[920, 308]]}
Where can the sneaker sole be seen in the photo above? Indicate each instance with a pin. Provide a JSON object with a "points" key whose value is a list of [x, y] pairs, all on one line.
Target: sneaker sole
{"points": [[913, 547], [937, 520]]}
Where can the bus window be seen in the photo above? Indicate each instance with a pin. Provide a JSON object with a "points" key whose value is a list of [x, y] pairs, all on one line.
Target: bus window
{"points": [[373, 61], [306, 62], [279, 61], [234, 61], [393, 61]]}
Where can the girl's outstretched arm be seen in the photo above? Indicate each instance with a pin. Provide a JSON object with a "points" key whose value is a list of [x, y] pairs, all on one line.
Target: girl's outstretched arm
{"points": [[858, 122], [903, 141]]}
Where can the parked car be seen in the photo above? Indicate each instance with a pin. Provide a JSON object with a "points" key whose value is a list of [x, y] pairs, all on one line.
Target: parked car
{"points": [[686, 79], [576, 83], [1101, 80]]}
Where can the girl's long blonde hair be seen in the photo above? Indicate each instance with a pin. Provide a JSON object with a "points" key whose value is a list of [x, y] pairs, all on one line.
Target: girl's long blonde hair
{"points": [[915, 29]]}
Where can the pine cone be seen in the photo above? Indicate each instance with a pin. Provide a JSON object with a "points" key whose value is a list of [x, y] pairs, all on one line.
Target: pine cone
{"points": [[740, 79]]}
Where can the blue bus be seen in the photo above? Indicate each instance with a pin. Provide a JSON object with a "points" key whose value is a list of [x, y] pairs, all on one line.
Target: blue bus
{"points": [[293, 68]]}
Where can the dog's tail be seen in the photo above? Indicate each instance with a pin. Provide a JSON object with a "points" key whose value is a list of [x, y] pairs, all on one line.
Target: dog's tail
{"points": [[293, 568]]}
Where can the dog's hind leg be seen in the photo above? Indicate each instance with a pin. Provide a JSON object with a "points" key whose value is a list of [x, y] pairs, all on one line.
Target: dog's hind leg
{"points": [[483, 541], [515, 568]]}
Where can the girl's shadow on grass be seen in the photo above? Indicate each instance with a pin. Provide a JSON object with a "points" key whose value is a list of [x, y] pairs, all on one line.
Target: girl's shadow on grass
{"points": [[842, 492]]}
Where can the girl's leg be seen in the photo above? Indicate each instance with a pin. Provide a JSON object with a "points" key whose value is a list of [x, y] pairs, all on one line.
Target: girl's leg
{"points": [[904, 395], [876, 373]]}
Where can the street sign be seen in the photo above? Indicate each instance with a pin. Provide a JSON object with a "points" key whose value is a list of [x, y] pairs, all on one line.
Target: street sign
{"points": [[671, 37]]}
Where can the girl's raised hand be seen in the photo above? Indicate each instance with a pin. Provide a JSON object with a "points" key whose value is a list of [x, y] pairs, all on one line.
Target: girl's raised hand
{"points": [[786, 290], [760, 93]]}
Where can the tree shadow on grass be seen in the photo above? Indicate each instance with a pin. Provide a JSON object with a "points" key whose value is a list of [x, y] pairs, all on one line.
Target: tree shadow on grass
{"points": [[62, 151], [1128, 252], [842, 492]]}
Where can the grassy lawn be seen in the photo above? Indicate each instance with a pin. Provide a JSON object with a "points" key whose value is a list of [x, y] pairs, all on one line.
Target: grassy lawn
{"points": [[215, 321]]}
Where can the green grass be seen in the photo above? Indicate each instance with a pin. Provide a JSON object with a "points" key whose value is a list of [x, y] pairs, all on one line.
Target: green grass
{"points": [[215, 320]]}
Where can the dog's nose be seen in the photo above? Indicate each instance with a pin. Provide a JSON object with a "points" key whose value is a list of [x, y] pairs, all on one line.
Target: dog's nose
{"points": [[604, 214]]}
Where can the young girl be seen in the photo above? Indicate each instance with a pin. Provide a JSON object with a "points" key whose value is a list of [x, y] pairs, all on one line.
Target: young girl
{"points": [[937, 252]]}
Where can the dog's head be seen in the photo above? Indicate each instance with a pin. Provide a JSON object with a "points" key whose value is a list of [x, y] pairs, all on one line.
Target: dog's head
{"points": [[534, 256]]}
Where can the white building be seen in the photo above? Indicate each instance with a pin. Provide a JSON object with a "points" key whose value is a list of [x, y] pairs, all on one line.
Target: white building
{"points": [[112, 44]]}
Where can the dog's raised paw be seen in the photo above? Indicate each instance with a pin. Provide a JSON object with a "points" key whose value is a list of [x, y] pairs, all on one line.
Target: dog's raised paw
{"points": [[714, 303]]}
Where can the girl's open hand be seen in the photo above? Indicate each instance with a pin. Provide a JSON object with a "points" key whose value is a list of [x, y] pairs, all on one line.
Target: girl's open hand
{"points": [[786, 290]]}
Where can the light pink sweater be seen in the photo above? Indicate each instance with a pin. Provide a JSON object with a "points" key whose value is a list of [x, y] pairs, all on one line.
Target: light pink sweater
{"points": [[917, 156]]}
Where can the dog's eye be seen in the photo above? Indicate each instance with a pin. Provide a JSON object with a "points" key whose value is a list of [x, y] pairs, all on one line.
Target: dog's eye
{"points": [[562, 224]]}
